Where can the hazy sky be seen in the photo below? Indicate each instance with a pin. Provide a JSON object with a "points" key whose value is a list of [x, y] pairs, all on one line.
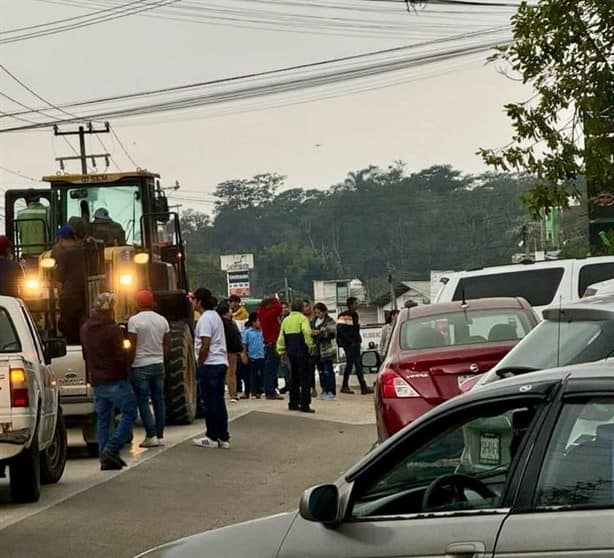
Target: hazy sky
{"points": [[432, 119]]}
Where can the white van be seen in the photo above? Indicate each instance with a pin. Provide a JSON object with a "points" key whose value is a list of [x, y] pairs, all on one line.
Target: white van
{"points": [[540, 283]]}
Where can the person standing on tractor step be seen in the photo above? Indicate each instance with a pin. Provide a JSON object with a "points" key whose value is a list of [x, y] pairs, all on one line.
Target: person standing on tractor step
{"points": [[212, 363], [107, 371], [295, 343], [149, 333], [349, 339], [11, 273], [71, 273], [268, 314]]}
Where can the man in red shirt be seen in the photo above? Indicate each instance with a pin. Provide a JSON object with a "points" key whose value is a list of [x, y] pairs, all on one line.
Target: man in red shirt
{"points": [[269, 314]]}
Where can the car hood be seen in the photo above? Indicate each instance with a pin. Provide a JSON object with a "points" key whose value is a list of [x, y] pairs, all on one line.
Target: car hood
{"points": [[259, 538]]}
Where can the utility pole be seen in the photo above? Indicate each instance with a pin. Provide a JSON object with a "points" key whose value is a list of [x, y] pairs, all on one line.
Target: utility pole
{"points": [[287, 290], [82, 131], [393, 299]]}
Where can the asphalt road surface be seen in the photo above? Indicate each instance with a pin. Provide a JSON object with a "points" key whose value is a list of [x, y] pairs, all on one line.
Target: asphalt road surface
{"points": [[181, 489]]}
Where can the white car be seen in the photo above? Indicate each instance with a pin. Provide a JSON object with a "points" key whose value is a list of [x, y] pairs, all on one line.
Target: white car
{"points": [[540, 283], [32, 434]]}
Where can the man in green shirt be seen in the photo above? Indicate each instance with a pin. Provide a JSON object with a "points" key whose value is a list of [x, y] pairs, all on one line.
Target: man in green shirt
{"points": [[32, 224], [295, 344]]}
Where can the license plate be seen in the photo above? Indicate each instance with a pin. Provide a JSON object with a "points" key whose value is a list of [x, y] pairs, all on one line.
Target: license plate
{"points": [[461, 379], [490, 449]]}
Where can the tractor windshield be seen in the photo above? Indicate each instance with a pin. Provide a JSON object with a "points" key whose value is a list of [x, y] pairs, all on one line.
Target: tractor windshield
{"points": [[111, 213]]}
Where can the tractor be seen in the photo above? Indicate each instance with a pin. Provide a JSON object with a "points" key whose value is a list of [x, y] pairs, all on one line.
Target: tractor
{"points": [[137, 244]]}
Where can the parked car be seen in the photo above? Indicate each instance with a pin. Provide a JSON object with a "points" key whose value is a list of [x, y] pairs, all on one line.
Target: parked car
{"points": [[434, 348], [571, 333], [32, 434], [520, 468], [540, 283]]}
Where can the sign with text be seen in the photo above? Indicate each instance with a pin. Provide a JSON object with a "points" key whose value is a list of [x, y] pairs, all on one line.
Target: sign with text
{"points": [[237, 262], [238, 283]]}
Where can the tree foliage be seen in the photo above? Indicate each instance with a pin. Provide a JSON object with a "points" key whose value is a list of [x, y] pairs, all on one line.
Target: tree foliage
{"points": [[565, 50], [375, 221]]}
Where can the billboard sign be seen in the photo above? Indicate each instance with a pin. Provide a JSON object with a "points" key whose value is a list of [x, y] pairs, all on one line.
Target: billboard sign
{"points": [[237, 262], [238, 283]]}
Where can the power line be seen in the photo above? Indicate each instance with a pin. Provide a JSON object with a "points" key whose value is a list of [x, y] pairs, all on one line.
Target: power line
{"points": [[121, 12], [119, 141]]}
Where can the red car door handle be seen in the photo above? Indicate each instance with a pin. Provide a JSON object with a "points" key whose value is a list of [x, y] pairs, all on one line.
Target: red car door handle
{"points": [[466, 550]]}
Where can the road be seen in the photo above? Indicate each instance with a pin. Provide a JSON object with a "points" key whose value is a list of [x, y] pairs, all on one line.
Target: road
{"points": [[180, 489]]}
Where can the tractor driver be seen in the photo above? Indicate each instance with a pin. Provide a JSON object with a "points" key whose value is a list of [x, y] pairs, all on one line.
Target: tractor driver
{"points": [[107, 230], [71, 273]]}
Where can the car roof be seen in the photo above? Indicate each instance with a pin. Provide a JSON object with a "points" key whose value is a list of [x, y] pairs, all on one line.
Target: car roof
{"points": [[508, 387], [543, 264], [459, 306], [598, 307], [9, 302]]}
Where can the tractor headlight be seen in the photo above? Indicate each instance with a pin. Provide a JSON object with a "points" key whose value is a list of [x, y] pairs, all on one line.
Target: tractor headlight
{"points": [[32, 284], [126, 279]]}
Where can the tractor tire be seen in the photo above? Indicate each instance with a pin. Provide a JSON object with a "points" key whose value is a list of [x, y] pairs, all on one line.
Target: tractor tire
{"points": [[180, 376], [53, 458], [25, 474]]}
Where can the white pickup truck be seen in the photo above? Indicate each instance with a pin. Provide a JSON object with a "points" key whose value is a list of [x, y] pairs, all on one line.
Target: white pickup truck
{"points": [[32, 432]]}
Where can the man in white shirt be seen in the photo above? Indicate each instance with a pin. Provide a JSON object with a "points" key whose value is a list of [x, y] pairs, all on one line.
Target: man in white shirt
{"points": [[148, 333], [212, 363]]}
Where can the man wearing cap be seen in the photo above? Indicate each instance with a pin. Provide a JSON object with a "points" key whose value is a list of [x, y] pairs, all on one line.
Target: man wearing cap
{"points": [[107, 372], [11, 274], [107, 230], [149, 333], [71, 273]]}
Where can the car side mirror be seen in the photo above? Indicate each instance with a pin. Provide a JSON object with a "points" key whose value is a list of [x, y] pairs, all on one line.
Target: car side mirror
{"points": [[371, 360], [320, 504], [55, 348]]}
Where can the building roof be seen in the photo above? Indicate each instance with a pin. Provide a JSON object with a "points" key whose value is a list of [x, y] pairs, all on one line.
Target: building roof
{"points": [[423, 288]]}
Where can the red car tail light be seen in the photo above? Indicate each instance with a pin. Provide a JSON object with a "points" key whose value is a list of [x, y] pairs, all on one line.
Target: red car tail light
{"points": [[19, 387], [395, 387]]}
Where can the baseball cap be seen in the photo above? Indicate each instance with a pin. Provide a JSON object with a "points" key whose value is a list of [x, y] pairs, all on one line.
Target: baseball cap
{"points": [[5, 243], [144, 298], [104, 301], [66, 231]]}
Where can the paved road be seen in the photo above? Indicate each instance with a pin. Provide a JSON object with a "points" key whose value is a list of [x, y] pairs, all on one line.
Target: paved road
{"points": [[181, 489]]}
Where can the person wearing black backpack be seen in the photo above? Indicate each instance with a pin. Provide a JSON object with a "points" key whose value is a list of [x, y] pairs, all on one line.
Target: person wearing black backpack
{"points": [[234, 346]]}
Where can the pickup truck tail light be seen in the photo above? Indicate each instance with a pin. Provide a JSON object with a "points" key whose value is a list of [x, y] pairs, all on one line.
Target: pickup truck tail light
{"points": [[19, 388], [395, 387]]}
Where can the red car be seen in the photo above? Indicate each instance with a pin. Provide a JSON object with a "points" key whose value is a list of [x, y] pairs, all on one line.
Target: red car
{"points": [[435, 347]]}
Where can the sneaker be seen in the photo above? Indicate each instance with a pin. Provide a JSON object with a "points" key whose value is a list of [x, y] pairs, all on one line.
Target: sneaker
{"points": [[366, 390], [347, 390], [150, 443], [110, 465], [160, 441], [314, 393], [234, 400], [283, 390], [323, 396], [205, 442], [307, 410], [223, 445], [275, 397]]}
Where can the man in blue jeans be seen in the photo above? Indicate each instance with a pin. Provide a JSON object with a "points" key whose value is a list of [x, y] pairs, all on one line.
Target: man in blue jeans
{"points": [[149, 333], [212, 363], [107, 372]]}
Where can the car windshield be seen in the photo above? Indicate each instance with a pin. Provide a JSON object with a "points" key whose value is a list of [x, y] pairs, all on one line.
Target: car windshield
{"points": [[558, 344], [9, 341], [463, 328], [104, 205]]}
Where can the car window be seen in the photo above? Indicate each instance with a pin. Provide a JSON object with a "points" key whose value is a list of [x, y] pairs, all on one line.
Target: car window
{"points": [[578, 469], [464, 328], [537, 286], [9, 340], [594, 273], [554, 343], [463, 466]]}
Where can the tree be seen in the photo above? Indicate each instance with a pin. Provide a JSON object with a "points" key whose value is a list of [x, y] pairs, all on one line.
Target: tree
{"points": [[565, 50], [242, 193]]}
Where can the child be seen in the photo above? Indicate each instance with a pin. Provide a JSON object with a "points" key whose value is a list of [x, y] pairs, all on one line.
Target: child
{"points": [[253, 352]]}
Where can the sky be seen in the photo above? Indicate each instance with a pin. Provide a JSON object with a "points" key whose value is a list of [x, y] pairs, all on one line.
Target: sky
{"points": [[436, 114]]}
